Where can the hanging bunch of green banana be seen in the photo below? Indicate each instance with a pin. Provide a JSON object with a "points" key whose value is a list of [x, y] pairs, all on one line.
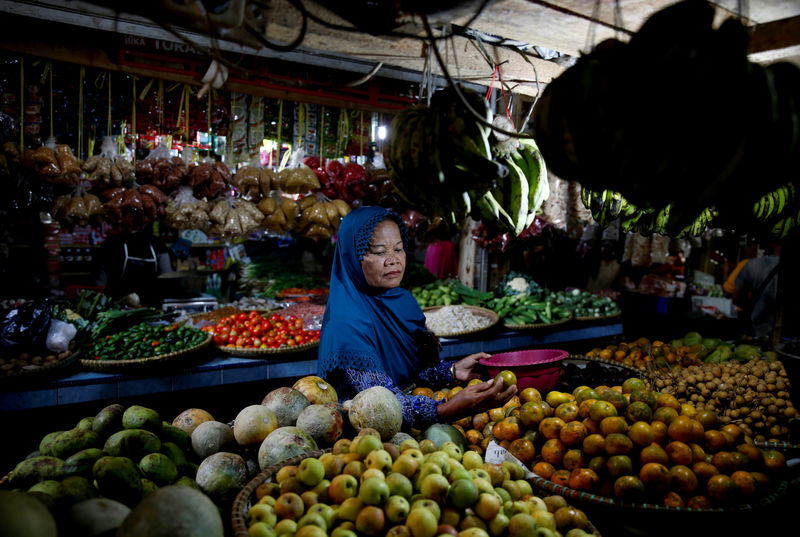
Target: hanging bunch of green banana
{"points": [[439, 158]]}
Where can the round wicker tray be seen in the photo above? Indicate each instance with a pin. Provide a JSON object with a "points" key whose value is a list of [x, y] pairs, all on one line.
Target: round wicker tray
{"points": [[267, 353], [137, 363], [476, 310], [535, 326], [598, 319], [632, 369], [41, 372], [244, 500]]}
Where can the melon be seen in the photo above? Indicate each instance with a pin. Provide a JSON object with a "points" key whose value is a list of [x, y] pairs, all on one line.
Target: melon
{"points": [[323, 422], [379, 409], [211, 437], [253, 424], [440, 433], [399, 438], [282, 443], [22, 515], [96, 516], [316, 390], [222, 475], [189, 419], [173, 511], [286, 404]]}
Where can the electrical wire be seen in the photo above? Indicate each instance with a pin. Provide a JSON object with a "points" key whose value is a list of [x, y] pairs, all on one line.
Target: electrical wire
{"points": [[297, 4]]}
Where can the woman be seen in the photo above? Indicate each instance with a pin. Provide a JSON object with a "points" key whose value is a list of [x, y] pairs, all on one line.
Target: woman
{"points": [[373, 331]]}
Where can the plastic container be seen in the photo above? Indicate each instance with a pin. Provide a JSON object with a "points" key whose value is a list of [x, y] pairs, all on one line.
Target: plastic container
{"points": [[535, 368]]}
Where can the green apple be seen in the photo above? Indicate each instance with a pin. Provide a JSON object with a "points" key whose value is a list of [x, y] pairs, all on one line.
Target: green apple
{"points": [[482, 473], [487, 506], [311, 531], [544, 519], [393, 450], [380, 459], [503, 493], [367, 444], [512, 488], [442, 459], [483, 485], [343, 532], [341, 446], [309, 498], [471, 459], [349, 508], [422, 522], [435, 487], [521, 507], [290, 470], [577, 532], [312, 519], [522, 525], [405, 464], [471, 521], [515, 471], [474, 532], [371, 520], [525, 488], [408, 443], [354, 468], [446, 529], [372, 472], [321, 489], [497, 474], [498, 525], [261, 512], [287, 526], [269, 500], [342, 486], [399, 485], [427, 446], [452, 450], [373, 491], [425, 470], [401, 530], [547, 532], [333, 464], [537, 504], [396, 509], [458, 473], [292, 484], [327, 512], [261, 529], [428, 504], [311, 471], [450, 516], [289, 505], [462, 493], [415, 453]]}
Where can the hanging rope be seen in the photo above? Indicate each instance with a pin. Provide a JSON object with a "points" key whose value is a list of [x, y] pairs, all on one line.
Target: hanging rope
{"points": [[280, 125], [133, 112], [80, 113]]}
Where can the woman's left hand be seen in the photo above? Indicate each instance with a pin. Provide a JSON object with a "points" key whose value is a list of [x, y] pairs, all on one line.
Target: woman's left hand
{"points": [[464, 368]]}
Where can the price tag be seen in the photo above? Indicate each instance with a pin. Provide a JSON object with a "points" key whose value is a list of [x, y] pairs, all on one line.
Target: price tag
{"points": [[497, 454]]}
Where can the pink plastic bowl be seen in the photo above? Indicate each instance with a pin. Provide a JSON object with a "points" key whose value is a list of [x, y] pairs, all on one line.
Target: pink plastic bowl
{"points": [[537, 368]]}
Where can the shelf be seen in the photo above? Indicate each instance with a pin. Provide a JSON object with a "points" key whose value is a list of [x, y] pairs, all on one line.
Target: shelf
{"points": [[209, 369]]}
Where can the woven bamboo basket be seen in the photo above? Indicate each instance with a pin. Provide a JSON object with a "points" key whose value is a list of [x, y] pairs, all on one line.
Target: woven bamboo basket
{"points": [[140, 363]]}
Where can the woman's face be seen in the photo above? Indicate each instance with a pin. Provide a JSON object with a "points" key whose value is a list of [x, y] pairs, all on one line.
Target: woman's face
{"points": [[384, 261]]}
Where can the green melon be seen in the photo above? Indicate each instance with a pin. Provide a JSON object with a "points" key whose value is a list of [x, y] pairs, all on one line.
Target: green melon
{"points": [[173, 511], [376, 408], [22, 515], [282, 443], [442, 432]]}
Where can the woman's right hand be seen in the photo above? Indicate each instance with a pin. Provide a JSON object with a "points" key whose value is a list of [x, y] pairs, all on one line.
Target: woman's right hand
{"points": [[476, 399]]}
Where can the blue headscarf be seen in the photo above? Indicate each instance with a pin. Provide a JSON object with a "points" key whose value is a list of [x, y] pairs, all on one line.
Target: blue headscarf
{"points": [[364, 328]]}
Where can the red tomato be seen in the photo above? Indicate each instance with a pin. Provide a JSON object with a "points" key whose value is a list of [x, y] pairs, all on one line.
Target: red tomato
{"points": [[266, 324], [291, 318], [299, 339], [219, 340], [232, 340], [291, 342], [256, 342], [241, 317], [274, 317], [269, 340], [280, 340], [257, 330], [233, 332], [241, 342], [247, 333]]}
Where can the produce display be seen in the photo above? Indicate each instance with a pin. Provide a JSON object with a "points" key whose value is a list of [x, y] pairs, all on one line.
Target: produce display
{"points": [[269, 276], [13, 363], [455, 319], [522, 309], [583, 303], [254, 331], [144, 341]]}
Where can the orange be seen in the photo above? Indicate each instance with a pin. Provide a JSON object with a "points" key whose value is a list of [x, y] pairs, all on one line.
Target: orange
{"points": [[679, 453], [703, 470], [582, 395], [659, 429], [567, 411], [613, 424], [752, 452], [632, 384], [594, 444], [744, 481], [573, 459], [560, 477], [496, 414], [740, 460], [551, 427], [629, 487], [473, 436], [592, 426], [655, 476], [476, 448], [714, 441], [684, 480], [487, 431], [641, 434], [485, 442], [454, 391], [460, 429], [761, 478], [479, 421], [618, 444], [639, 411], [602, 409], [553, 451], [584, 406], [724, 461], [673, 499], [531, 414], [668, 400], [513, 402], [507, 429], [573, 433], [543, 469], [698, 453], [653, 453], [720, 487], [616, 398], [440, 395], [530, 394], [665, 414], [464, 423], [619, 465], [645, 396], [598, 464], [427, 392], [734, 430], [698, 502], [523, 449], [688, 409], [697, 431], [583, 479], [473, 382], [707, 418], [680, 428]]}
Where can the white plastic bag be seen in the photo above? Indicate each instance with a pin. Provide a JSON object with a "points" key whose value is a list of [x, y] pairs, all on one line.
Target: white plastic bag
{"points": [[59, 335]]}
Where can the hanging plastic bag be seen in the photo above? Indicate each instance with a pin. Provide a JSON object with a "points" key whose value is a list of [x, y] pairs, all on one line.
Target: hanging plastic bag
{"points": [[60, 335], [26, 325]]}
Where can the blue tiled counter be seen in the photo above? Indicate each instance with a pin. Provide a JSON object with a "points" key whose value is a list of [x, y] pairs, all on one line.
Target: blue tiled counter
{"points": [[213, 370]]}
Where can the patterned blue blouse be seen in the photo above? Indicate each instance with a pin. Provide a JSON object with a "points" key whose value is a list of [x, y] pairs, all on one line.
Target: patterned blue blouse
{"points": [[418, 411]]}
